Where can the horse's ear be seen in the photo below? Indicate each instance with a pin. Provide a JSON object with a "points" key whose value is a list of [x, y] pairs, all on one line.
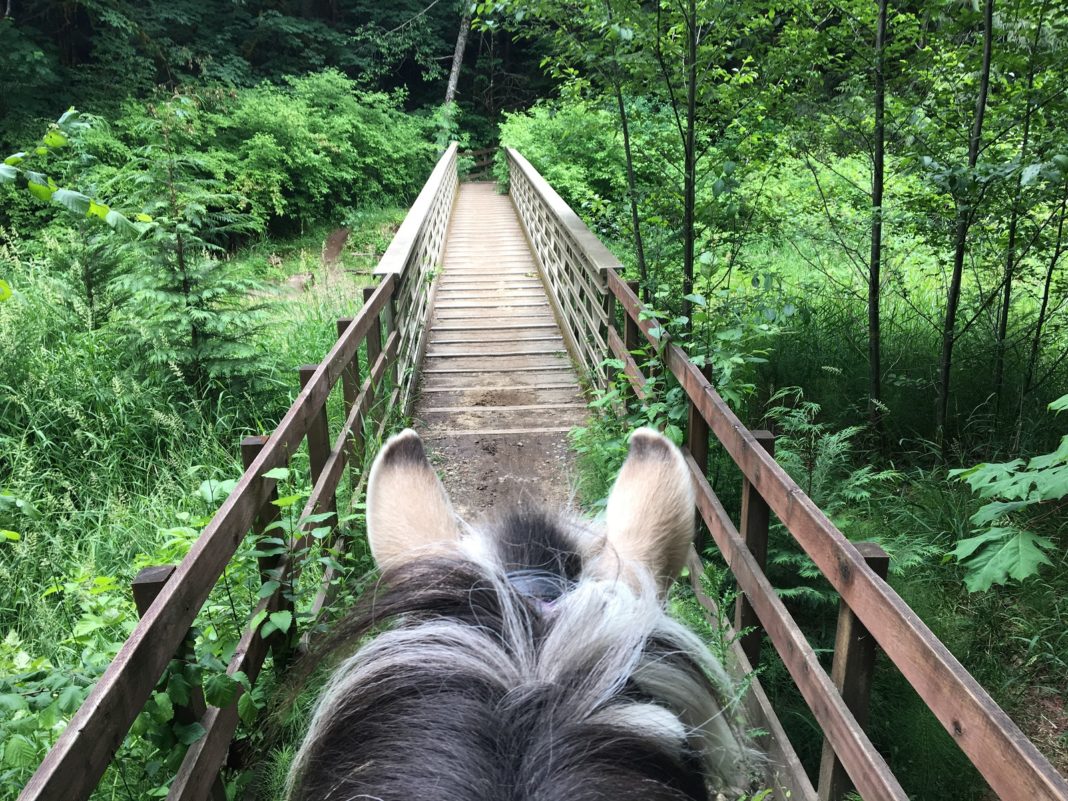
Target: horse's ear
{"points": [[408, 512], [650, 512]]}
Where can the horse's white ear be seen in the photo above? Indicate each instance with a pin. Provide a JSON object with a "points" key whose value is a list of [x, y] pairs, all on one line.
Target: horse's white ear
{"points": [[408, 512], [650, 512]]}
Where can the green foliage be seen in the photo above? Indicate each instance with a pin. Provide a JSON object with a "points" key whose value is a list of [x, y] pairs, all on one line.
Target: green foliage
{"points": [[1019, 494], [576, 148], [16, 169], [314, 144]]}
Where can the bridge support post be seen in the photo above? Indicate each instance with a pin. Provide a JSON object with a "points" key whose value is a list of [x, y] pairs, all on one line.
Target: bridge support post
{"points": [[755, 520], [147, 584], [281, 644], [319, 443], [374, 334], [350, 385], [851, 672], [631, 333], [697, 434]]}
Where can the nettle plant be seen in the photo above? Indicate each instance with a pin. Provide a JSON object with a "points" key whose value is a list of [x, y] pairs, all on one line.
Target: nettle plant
{"points": [[1021, 496]]}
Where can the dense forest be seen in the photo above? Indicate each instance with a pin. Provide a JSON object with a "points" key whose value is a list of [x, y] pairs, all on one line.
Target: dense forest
{"points": [[851, 211]]}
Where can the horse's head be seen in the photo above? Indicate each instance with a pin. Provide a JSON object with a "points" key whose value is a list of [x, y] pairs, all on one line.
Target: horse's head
{"points": [[526, 659]]}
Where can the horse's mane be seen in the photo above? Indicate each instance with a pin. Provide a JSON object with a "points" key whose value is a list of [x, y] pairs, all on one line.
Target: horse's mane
{"points": [[501, 671]]}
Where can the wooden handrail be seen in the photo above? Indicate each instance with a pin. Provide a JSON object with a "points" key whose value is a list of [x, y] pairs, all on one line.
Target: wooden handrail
{"points": [[600, 258], [1009, 762], [75, 764], [399, 253]]}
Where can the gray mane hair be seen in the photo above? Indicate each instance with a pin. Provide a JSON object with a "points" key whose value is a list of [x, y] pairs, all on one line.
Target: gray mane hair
{"points": [[512, 666]]}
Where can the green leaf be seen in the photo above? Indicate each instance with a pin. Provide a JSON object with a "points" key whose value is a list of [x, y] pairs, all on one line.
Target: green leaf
{"points": [[214, 491], [120, 222], [287, 501], [247, 708], [8, 173], [178, 689], [12, 703], [19, 751], [220, 690], [1059, 405], [98, 210], [70, 699], [282, 620], [73, 201], [5, 290], [995, 509], [54, 139], [40, 191], [9, 536], [277, 473], [999, 554], [15, 158], [189, 733]]}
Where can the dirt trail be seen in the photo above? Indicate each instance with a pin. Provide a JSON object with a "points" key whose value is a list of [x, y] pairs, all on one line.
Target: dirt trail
{"points": [[332, 247]]}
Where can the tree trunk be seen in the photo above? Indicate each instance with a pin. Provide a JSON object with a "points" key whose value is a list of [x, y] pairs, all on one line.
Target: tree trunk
{"points": [[965, 216], [632, 193], [458, 58], [1036, 340], [1014, 218], [690, 163], [875, 261]]}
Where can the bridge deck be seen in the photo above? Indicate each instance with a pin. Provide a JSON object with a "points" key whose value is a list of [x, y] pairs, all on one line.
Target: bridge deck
{"points": [[498, 392]]}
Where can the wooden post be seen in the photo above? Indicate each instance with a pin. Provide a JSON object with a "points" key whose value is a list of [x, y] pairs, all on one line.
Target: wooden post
{"points": [[631, 332], [851, 672], [697, 434], [609, 305], [147, 584], [756, 517], [268, 514], [318, 439], [350, 385], [374, 334]]}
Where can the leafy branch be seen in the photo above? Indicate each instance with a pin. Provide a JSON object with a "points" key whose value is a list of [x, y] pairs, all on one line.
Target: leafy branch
{"points": [[18, 169], [1018, 494]]}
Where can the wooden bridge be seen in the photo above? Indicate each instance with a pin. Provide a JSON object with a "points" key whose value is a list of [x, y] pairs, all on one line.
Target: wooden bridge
{"points": [[489, 313]]}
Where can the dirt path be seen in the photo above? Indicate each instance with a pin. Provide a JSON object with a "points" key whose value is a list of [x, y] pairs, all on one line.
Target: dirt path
{"points": [[498, 393], [332, 247]]}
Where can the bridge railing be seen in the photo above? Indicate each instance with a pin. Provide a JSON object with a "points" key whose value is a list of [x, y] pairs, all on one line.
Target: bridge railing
{"points": [[573, 262], [580, 272], [387, 330]]}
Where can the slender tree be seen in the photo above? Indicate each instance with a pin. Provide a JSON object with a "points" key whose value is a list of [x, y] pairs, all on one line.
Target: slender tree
{"points": [[965, 204], [875, 405], [1011, 256], [458, 57]]}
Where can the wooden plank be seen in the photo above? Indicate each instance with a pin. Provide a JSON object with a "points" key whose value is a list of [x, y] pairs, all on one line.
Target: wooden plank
{"points": [[496, 371], [865, 764], [507, 354], [499, 388], [1009, 761], [74, 765], [530, 406], [496, 432], [496, 327]]}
